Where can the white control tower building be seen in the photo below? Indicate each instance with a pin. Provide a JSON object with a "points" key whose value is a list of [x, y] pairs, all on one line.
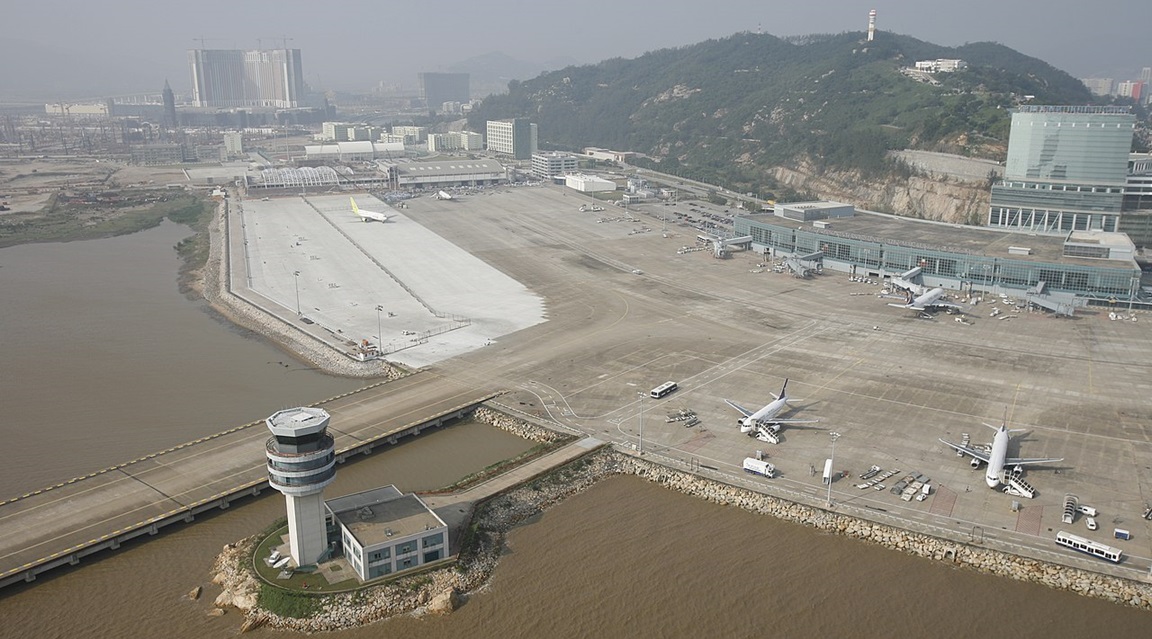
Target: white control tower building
{"points": [[301, 462]]}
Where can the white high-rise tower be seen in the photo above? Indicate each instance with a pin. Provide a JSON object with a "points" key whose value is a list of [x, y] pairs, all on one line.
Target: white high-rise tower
{"points": [[871, 25], [301, 462]]}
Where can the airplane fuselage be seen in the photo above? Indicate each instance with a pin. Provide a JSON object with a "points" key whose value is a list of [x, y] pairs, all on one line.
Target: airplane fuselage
{"points": [[927, 299], [763, 416], [996, 458]]}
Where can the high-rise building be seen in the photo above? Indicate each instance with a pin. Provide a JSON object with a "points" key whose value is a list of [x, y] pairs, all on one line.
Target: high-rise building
{"points": [[233, 143], [169, 120], [1067, 168], [1131, 89], [1099, 86], [438, 88], [515, 137], [301, 463], [233, 78]]}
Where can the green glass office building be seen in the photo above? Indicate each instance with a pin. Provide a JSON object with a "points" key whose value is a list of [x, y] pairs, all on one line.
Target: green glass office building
{"points": [[1066, 170]]}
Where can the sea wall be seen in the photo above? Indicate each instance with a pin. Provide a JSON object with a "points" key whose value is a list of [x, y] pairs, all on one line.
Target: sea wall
{"points": [[516, 426], [439, 591], [213, 286]]}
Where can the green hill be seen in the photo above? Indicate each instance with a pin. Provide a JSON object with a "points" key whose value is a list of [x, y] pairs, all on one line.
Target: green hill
{"points": [[726, 110]]}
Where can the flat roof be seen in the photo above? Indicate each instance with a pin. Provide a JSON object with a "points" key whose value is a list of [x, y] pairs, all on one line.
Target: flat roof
{"points": [[376, 516], [941, 236], [452, 166]]}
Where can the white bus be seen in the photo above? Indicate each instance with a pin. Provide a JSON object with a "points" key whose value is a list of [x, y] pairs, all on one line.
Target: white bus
{"points": [[1089, 547], [663, 389]]}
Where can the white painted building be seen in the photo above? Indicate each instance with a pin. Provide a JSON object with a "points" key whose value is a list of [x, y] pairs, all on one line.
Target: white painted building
{"points": [[413, 134], [383, 531], [552, 163], [940, 65], [588, 183]]}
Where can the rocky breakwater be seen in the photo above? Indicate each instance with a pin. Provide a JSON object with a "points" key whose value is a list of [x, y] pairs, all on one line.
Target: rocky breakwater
{"points": [[213, 286], [1115, 589], [516, 426]]}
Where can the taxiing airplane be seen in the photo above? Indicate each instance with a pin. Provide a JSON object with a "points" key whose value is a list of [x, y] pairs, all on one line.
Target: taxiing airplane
{"points": [[443, 195], [367, 216], [763, 424], [997, 458]]}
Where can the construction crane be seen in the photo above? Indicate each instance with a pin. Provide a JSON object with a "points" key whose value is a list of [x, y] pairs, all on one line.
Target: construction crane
{"points": [[202, 40], [284, 40]]}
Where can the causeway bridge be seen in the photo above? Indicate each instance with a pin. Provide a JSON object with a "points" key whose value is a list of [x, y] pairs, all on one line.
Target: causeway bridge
{"points": [[60, 525]]}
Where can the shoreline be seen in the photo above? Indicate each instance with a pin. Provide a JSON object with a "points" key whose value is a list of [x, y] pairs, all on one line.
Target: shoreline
{"points": [[440, 591]]}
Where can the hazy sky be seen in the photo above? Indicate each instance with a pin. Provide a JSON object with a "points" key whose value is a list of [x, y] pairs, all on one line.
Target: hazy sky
{"points": [[356, 43]]}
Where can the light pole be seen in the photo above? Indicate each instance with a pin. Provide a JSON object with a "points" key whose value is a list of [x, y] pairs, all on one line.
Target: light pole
{"points": [[835, 436], [296, 274], [640, 450], [379, 330]]}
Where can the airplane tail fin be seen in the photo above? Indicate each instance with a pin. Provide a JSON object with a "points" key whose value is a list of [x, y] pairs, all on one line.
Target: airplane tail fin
{"points": [[355, 209], [783, 391]]}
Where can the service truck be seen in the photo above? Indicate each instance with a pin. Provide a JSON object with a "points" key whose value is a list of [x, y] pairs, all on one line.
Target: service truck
{"points": [[758, 467]]}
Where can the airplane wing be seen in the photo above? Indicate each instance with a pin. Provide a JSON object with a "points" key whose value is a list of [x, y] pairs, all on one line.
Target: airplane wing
{"points": [[972, 452], [1021, 461], [743, 411], [793, 421]]}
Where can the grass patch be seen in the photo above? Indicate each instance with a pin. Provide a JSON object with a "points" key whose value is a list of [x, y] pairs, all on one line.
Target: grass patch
{"points": [[128, 211], [287, 603]]}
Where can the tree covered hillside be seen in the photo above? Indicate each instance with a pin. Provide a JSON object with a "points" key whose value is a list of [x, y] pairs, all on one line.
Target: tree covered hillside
{"points": [[725, 110]]}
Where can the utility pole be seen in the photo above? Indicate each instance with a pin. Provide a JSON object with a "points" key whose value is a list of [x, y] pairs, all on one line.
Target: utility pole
{"points": [[640, 449], [296, 274], [834, 436]]}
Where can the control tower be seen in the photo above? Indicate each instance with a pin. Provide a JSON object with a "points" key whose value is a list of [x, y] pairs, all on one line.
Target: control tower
{"points": [[301, 462]]}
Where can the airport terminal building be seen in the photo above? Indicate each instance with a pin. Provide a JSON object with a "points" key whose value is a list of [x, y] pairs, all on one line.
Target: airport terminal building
{"points": [[1058, 272]]}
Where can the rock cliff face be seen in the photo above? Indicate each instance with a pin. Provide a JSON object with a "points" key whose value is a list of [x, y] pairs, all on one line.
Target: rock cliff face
{"points": [[929, 198]]}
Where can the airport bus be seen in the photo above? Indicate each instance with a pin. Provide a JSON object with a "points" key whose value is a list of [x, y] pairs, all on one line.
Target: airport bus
{"points": [[1089, 547], [663, 389]]}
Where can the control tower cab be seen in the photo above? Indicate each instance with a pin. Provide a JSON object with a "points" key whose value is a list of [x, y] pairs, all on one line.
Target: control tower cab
{"points": [[301, 462]]}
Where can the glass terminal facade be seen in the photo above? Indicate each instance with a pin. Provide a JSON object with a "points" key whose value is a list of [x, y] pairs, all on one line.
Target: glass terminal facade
{"points": [[955, 269]]}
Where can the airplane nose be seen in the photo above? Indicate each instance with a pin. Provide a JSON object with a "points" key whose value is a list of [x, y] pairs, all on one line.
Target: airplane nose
{"points": [[992, 482]]}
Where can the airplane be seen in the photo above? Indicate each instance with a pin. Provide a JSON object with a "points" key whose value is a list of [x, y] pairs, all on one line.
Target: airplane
{"points": [[367, 216], [443, 195], [919, 297], [763, 424], [926, 300], [998, 457]]}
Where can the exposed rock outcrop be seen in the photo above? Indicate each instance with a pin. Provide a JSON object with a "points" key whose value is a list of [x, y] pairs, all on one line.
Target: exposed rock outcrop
{"points": [[929, 198]]}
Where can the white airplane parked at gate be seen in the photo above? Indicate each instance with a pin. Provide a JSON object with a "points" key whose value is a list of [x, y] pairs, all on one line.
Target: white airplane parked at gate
{"points": [[926, 300], [919, 297], [763, 424], [998, 457], [367, 216]]}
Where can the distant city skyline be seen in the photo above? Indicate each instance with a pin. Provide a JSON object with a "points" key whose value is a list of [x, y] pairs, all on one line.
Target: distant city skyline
{"points": [[122, 44]]}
